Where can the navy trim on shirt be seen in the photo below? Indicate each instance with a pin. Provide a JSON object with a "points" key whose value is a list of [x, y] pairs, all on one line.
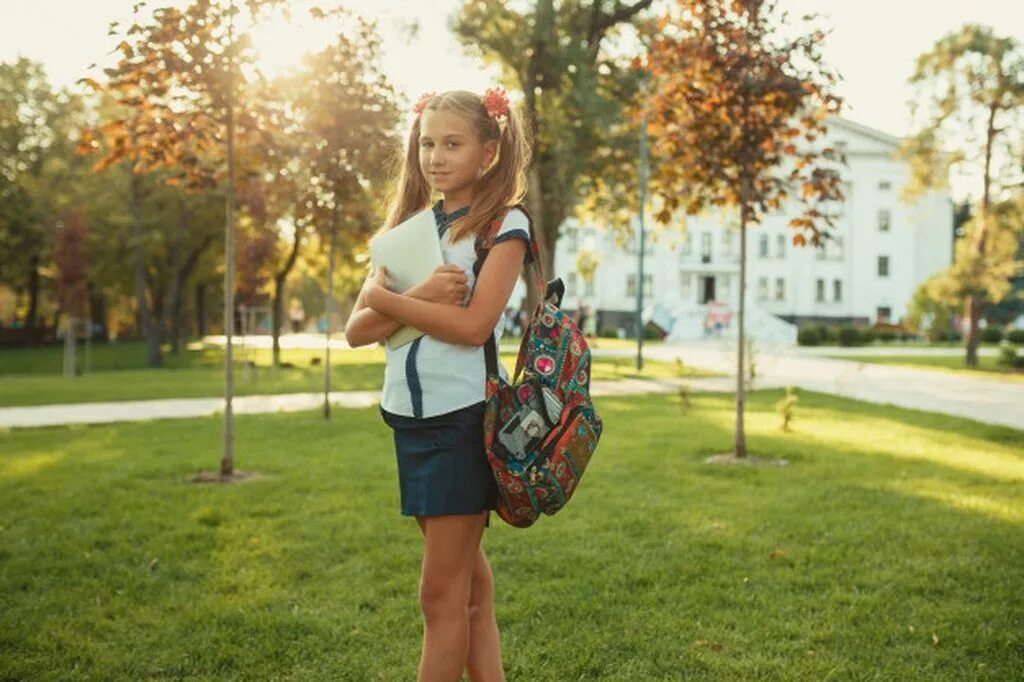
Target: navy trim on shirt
{"points": [[412, 377]]}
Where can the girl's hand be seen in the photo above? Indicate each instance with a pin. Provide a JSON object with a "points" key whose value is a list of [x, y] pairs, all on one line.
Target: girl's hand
{"points": [[447, 284]]}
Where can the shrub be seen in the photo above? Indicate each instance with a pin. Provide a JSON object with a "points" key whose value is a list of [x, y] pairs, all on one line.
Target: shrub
{"points": [[867, 335], [849, 336], [886, 335], [809, 336], [1015, 336], [1007, 356], [991, 335]]}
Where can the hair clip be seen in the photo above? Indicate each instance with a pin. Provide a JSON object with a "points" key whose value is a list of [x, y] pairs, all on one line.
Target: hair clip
{"points": [[422, 103], [496, 102]]}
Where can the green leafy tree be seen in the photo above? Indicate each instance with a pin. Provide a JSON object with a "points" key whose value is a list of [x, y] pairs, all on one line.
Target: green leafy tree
{"points": [[572, 66], [37, 161], [970, 99]]}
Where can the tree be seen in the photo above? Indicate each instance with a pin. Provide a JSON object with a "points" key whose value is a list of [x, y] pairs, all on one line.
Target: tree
{"points": [[335, 119], [181, 76], [71, 261], [36, 160], [970, 98], [574, 91], [734, 111], [925, 315], [987, 275]]}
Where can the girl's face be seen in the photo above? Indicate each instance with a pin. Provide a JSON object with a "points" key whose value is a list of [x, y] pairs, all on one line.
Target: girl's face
{"points": [[452, 158]]}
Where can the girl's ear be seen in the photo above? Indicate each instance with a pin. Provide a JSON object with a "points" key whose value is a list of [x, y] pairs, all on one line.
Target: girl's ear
{"points": [[490, 151]]}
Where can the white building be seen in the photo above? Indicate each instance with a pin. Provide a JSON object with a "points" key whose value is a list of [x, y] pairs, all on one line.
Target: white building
{"points": [[883, 249]]}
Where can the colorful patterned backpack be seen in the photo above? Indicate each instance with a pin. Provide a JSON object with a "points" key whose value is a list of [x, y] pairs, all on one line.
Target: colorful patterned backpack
{"points": [[540, 430]]}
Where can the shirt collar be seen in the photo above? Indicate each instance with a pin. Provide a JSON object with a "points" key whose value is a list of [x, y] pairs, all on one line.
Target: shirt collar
{"points": [[444, 220]]}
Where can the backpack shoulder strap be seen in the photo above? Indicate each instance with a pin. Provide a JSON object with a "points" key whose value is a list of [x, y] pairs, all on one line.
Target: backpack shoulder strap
{"points": [[485, 241]]}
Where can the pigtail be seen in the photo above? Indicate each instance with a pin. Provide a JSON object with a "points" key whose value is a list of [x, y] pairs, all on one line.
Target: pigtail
{"points": [[411, 193]]}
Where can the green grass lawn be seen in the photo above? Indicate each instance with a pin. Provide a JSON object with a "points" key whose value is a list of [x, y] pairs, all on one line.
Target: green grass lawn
{"points": [[987, 366], [32, 376], [890, 548]]}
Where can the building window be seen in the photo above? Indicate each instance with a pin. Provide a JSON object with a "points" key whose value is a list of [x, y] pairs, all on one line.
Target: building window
{"points": [[572, 239], [780, 246], [832, 248], [819, 291], [686, 247], [883, 313], [631, 285], [883, 266], [705, 247], [726, 243], [762, 288], [685, 285], [884, 218], [762, 246], [837, 290], [724, 288], [884, 186], [780, 289], [570, 284]]}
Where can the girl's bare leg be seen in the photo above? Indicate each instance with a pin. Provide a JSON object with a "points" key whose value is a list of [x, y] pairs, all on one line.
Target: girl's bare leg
{"points": [[451, 545], [484, 661]]}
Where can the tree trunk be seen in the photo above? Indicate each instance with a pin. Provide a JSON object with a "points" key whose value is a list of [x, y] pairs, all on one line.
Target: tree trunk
{"points": [[97, 310], [33, 292], [146, 321], [173, 309], [740, 444], [200, 309], [975, 303], [536, 203], [279, 291], [329, 308], [227, 458]]}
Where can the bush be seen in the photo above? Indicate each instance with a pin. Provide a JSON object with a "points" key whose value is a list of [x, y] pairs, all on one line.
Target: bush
{"points": [[849, 336], [1015, 336], [808, 336], [1008, 357], [827, 334], [609, 333], [991, 335], [886, 335], [867, 335]]}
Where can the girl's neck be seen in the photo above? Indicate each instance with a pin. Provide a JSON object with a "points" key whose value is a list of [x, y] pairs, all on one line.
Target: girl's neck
{"points": [[453, 201]]}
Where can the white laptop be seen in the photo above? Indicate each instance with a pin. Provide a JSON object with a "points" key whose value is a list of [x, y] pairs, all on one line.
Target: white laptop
{"points": [[410, 251]]}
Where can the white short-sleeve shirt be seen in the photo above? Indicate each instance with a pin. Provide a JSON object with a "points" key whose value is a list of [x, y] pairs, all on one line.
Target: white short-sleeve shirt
{"points": [[428, 377]]}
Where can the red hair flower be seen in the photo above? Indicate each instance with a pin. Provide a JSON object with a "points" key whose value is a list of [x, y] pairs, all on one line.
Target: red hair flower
{"points": [[422, 103], [496, 102]]}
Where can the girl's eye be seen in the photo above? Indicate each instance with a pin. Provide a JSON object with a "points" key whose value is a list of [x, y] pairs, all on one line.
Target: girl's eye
{"points": [[426, 144], [453, 145]]}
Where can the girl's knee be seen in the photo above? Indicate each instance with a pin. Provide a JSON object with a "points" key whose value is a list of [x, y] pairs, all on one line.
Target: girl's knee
{"points": [[481, 595], [443, 598]]}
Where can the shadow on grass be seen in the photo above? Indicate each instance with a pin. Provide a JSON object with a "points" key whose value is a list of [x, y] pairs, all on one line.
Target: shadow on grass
{"points": [[662, 567]]}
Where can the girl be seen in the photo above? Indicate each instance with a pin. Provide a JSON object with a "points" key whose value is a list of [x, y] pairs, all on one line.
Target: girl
{"points": [[471, 151]]}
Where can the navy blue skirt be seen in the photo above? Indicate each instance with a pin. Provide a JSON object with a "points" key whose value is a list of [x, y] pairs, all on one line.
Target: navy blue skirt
{"points": [[442, 463]]}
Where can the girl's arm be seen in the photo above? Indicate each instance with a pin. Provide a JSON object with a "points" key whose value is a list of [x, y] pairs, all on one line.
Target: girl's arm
{"points": [[469, 326], [366, 325], [445, 286]]}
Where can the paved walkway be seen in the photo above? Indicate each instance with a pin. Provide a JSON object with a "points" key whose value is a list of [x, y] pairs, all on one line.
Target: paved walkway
{"points": [[987, 400], [177, 408]]}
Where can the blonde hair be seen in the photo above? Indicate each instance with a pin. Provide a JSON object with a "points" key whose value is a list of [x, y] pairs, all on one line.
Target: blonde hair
{"points": [[501, 186]]}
